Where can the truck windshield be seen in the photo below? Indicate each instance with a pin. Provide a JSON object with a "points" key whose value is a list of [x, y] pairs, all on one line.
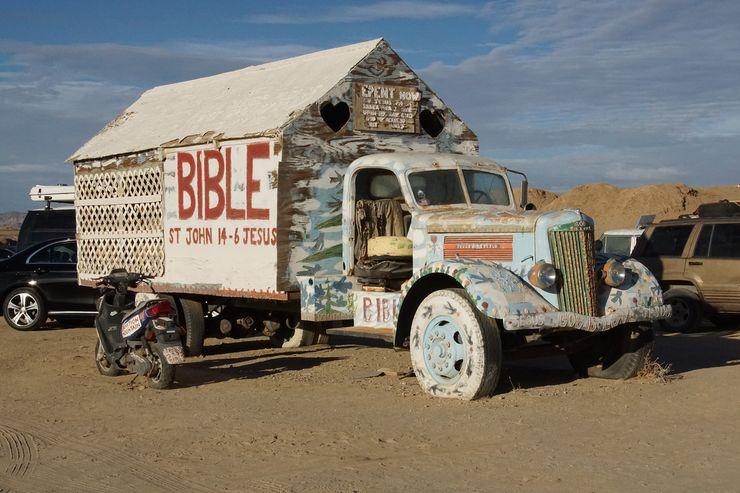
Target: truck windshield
{"points": [[443, 187], [437, 187], [486, 188]]}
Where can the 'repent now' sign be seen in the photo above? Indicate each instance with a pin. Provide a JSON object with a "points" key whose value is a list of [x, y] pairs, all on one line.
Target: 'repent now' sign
{"points": [[387, 108]]}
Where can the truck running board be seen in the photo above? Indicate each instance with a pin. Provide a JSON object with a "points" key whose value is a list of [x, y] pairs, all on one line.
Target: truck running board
{"points": [[363, 332]]}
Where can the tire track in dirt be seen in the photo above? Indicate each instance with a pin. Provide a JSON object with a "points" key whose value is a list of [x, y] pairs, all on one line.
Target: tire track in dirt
{"points": [[125, 470], [21, 451]]}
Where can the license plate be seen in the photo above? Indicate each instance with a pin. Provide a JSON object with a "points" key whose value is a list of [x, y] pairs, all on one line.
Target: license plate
{"points": [[130, 326], [173, 354]]}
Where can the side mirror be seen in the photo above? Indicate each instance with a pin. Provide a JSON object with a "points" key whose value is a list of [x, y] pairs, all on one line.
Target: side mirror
{"points": [[598, 245], [530, 207], [525, 192]]}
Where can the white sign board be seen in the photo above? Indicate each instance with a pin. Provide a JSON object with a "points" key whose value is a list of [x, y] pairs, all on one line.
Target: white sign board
{"points": [[221, 217]]}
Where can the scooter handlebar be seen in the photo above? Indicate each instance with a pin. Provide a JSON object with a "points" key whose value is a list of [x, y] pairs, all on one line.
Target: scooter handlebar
{"points": [[122, 278]]}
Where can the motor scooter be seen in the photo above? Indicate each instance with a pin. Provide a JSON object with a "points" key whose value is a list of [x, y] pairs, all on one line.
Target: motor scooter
{"points": [[143, 339]]}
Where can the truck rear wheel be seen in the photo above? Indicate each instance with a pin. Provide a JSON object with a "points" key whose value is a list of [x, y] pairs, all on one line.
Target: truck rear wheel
{"points": [[455, 350], [195, 325], [298, 334], [618, 354]]}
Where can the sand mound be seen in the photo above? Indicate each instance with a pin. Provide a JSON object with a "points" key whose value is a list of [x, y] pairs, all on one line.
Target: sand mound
{"points": [[613, 207]]}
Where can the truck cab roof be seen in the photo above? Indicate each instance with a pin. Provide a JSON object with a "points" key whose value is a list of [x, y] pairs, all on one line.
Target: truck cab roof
{"points": [[424, 160]]}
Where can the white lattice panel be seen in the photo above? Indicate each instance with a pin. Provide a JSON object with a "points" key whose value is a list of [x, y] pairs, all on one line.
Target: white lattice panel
{"points": [[119, 220]]}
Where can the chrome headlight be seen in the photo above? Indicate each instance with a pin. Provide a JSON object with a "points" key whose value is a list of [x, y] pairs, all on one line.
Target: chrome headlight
{"points": [[614, 273], [543, 275]]}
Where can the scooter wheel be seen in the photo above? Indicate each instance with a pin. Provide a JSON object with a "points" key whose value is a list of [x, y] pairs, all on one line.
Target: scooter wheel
{"points": [[163, 373], [104, 366]]}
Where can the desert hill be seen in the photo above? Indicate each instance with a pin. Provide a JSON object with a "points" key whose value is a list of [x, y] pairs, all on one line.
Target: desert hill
{"points": [[10, 223], [613, 207], [11, 220]]}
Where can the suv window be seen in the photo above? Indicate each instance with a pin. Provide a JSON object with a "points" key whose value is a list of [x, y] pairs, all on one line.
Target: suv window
{"points": [[60, 253], [668, 241], [702, 243], [719, 241], [725, 241]]}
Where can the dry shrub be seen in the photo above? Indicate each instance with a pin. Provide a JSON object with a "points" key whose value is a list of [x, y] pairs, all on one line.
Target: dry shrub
{"points": [[655, 370]]}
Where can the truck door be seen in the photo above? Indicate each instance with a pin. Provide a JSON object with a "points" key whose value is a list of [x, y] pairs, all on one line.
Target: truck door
{"points": [[715, 266], [380, 209]]}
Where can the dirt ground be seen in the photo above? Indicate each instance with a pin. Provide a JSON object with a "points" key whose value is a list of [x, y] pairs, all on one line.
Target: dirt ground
{"points": [[250, 418]]}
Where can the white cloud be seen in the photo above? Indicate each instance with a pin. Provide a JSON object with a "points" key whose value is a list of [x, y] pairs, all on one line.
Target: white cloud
{"points": [[23, 168], [401, 9]]}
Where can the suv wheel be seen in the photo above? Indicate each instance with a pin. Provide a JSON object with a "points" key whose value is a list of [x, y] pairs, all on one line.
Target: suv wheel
{"points": [[685, 315]]}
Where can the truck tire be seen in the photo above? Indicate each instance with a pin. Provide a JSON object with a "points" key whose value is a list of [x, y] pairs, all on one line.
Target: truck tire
{"points": [[455, 350], [298, 336], [686, 312], [618, 354], [195, 325]]}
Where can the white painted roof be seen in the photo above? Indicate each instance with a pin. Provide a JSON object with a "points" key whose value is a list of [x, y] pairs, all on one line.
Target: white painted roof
{"points": [[253, 100]]}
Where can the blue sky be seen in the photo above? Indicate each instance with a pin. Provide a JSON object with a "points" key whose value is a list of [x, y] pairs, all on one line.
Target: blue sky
{"points": [[570, 91]]}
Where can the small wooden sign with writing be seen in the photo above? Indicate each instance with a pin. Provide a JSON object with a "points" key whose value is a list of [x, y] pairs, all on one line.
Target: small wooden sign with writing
{"points": [[387, 108]]}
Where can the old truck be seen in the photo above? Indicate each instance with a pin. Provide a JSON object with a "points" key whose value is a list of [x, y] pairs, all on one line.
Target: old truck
{"points": [[336, 193]]}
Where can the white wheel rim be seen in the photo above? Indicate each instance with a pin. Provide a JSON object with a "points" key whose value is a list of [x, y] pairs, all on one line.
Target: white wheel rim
{"points": [[23, 309], [444, 350]]}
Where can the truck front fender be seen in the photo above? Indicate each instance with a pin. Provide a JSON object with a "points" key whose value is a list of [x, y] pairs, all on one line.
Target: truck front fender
{"points": [[496, 292], [640, 289]]}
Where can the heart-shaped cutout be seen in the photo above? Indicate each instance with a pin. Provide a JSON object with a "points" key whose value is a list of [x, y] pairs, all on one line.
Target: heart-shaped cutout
{"points": [[335, 115], [432, 122]]}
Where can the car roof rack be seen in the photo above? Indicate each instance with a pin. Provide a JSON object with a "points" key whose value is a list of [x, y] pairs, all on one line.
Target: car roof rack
{"points": [[62, 194], [644, 221], [723, 208]]}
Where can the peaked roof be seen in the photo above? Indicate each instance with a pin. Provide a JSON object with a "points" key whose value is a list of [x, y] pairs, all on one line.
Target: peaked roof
{"points": [[250, 101]]}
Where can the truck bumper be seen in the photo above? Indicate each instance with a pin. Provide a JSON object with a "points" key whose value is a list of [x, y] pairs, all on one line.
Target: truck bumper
{"points": [[570, 320]]}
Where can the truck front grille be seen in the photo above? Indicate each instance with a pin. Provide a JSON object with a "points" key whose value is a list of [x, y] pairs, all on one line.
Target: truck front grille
{"points": [[573, 257]]}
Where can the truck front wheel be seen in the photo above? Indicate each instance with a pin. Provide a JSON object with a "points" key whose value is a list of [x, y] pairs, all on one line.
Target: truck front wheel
{"points": [[455, 350], [618, 354]]}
